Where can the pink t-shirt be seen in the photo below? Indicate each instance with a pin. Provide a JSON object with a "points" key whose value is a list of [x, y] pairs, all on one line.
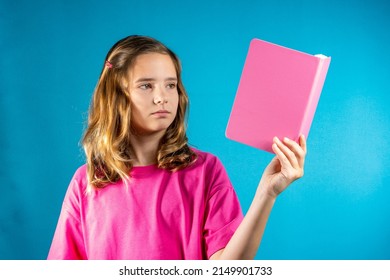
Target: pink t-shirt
{"points": [[188, 214]]}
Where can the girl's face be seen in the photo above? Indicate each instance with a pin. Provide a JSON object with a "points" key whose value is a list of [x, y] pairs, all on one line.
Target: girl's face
{"points": [[153, 93]]}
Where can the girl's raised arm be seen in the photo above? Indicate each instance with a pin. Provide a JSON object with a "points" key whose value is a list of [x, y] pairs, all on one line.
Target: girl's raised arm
{"points": [[285, 167]]}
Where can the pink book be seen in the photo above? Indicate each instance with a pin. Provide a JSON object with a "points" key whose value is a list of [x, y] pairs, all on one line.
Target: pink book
{"points": [[277, 95]]}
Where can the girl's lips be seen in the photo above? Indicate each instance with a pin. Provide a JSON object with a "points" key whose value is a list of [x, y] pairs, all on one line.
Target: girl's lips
{"points": [[161, 113]]}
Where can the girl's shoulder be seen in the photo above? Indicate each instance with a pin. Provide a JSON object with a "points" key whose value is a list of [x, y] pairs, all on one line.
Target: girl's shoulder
{"points": [[206, 159], [204, 156], [212, 170], [80, 173], [79, 179]]}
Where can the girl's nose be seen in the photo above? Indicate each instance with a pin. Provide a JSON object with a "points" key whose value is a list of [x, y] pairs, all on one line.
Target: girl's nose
{"points": [[157, 100], [160, 98]]}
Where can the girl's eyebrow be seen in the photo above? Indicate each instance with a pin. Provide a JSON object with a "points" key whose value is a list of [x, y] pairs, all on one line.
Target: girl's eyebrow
{"points": [[140, 80]]}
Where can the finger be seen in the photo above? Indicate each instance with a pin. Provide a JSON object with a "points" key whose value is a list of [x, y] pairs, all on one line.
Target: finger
{"points": [[280, 155], [288, 156], [302, 143], [274, 166], [296, 149], [287, 152]]}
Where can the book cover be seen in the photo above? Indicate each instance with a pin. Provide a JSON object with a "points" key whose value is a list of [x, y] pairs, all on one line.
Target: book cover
{"points": [[277, 95]]}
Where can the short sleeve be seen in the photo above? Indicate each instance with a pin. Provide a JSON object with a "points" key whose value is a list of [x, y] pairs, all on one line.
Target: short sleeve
{"points": [[223, 213], [68, 239]]}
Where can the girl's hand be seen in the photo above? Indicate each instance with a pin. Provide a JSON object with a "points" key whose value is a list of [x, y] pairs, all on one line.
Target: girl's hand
{"points": [[285, 167]]}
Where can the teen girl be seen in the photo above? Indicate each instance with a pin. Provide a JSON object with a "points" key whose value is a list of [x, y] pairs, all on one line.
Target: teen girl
{"points": [[144, 193]]}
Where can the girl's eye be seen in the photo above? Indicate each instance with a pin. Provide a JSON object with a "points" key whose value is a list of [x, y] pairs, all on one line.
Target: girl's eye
{"points": [[145, 86], [171, 86]]}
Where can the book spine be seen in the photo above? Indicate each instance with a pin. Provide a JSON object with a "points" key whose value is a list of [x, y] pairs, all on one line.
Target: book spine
{"points": [[314, 96]]}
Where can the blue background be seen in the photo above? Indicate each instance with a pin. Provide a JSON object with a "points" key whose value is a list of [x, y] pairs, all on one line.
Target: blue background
{"points": [[51, 56]]}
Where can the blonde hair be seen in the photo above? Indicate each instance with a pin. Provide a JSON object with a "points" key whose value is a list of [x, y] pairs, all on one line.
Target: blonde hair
{"points": [[106, 140]]}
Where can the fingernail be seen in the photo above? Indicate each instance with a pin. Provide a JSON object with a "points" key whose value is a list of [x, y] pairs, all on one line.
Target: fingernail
{"points": [[286, 139]]}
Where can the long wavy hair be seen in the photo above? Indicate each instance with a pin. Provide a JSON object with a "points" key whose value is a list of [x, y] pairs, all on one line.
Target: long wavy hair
{"points": [[106, 140]]}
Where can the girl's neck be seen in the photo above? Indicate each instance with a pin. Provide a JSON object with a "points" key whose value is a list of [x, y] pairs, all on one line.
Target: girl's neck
{"points": [[145, 148]]}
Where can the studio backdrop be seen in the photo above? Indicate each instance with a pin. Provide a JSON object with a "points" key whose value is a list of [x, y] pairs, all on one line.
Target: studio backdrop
{"points": [[52, 53]]}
